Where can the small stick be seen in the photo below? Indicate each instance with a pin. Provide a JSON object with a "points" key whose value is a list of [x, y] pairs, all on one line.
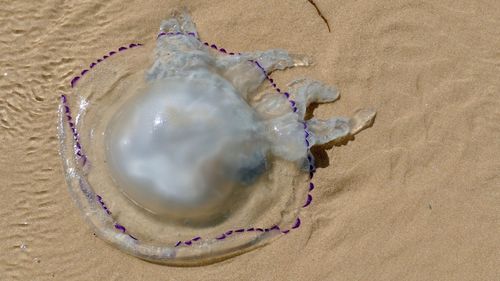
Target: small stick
{"points": [[320, 14]]}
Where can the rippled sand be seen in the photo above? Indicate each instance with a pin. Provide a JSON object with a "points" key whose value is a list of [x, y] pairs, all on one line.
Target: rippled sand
{"points": [[415, 197]]}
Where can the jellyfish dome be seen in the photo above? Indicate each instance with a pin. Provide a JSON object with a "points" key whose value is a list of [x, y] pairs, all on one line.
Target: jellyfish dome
{"points": [[181, 152]]}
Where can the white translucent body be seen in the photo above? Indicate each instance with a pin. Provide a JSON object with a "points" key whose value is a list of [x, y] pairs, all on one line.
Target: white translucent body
{"points": [[181, 148], [199, 134]]}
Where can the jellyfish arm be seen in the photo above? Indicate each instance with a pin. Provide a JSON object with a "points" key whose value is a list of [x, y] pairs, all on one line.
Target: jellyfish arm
{"points": [[248, 70], [179, 22], [308, 91], [288, 129]]}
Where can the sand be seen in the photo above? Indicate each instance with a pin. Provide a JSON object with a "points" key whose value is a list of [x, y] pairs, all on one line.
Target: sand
{"points": [[415, 197]]}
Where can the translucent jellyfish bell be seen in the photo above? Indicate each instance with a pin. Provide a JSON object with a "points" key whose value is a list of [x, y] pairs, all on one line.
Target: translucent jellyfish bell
{"points": [[176, 154]]}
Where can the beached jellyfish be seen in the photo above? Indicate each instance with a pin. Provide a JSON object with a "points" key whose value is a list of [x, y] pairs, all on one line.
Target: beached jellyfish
{"points": [[184, 156]]}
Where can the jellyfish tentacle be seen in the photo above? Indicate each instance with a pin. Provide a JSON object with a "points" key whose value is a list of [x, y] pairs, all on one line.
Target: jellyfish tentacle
{"points": [[337, 128], [186, 23], [248, 70], [267, 61], [324, 131], [277, 59], [180, 22], [306, 91]]}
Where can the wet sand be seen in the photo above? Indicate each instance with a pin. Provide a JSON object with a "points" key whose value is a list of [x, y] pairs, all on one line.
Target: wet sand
{"points": [[415, 197]]}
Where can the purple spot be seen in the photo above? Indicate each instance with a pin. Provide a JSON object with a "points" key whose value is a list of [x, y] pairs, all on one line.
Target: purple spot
{"points": [[259, 229], [132, 45], [240, 230], [92, 65], [130, 235], [74, 80], [271, 80], [99, 60], [71, 124], [178, 243], [112, 53], [196, 238], [311, 186], [191, 33], [105, 57], [278, 89], [285, 231], [223, 236], [287, 95], [63, 97], [309, 200], [274, 85], [120, 227], [122, 49], [229, 232], [251, 229], [223, 50], [231, 54], [213, 46], [188, 243], [275, 227], [84, 71], [296, 224], [206, 44]]}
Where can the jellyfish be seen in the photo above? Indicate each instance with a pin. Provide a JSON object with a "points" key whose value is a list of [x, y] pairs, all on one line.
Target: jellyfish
{"points": [[184, 153]]}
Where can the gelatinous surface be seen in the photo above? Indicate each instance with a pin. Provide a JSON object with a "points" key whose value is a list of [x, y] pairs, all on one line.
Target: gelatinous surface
{"points": [[177, 154]]}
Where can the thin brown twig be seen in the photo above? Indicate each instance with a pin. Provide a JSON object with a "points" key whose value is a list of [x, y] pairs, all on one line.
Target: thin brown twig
{"points": [[320, 14]]}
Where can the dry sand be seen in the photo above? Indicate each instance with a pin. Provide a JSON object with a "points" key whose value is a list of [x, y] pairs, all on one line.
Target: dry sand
{"points": [[415, 197]]}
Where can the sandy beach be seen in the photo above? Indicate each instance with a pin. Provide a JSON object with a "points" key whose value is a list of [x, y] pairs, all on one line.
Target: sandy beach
{"points": [[414, 197]]}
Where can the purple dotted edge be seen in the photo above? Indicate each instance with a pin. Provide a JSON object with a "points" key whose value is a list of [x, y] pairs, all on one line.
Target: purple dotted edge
{"points": [[76, 78], [121, 228], [76, 137], [83, 161]]}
